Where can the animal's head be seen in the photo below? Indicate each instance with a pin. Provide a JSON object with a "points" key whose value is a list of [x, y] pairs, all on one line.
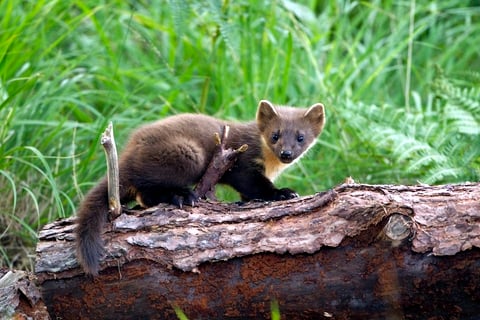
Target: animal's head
{"points": [[288, 131]]}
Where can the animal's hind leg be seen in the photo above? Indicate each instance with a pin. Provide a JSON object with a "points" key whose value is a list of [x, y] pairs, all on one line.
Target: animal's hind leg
{"points": [[152, 196]]}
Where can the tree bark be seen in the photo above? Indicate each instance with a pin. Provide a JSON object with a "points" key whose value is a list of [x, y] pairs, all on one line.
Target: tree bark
{"points": [[19, 297], [353, 252]]}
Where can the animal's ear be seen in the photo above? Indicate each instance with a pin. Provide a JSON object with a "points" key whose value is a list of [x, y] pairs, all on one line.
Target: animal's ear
{"points": [[315, 115], [265, 114]]}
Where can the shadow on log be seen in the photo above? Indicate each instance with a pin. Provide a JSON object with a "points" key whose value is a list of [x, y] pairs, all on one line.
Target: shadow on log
{"points": [[354, 252]]}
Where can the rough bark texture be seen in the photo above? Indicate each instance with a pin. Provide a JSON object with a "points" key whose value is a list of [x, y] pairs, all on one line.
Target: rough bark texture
{"points": [[354, 252], [19, 297]]}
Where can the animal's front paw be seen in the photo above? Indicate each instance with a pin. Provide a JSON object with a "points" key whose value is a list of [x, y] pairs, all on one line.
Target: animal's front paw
{"points": [[285, 194]]}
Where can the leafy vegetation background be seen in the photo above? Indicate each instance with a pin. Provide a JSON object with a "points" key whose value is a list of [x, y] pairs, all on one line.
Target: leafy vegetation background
{"points": [[400, 81]]}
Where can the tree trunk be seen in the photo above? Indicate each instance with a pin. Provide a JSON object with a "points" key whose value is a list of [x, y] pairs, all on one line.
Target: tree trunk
{"points": [[354, 252]]}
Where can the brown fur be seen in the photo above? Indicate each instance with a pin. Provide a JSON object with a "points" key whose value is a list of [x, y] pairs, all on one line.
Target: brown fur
{"points": [[164, 159]]}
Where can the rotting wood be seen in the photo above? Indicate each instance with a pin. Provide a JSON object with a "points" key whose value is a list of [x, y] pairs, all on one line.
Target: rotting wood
{"points": [[19, 297], [352, 252], [113, 175]]}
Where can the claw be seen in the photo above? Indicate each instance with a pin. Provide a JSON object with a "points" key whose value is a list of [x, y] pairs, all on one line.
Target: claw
{"points": [[177, 200], [286, 194], [184, 197]]}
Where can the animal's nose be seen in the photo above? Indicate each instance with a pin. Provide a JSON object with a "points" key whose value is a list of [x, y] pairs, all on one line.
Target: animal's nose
{"points": [[286, 154]]}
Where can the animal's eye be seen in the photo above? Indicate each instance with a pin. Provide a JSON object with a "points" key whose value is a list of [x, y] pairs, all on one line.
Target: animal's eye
{"points": [[275, 137], [300, 137]]}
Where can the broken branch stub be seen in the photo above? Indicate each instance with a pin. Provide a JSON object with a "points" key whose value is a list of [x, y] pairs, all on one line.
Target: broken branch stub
{"points": [[222, 160], [108, 143]]}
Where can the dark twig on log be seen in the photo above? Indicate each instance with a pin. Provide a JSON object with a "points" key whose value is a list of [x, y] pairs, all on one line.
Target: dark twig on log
{"points": [[108, 143], [354, 252], [223, 159]]}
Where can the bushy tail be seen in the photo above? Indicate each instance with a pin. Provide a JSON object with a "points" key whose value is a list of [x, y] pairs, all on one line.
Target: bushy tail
{"points": [[91, 218]]}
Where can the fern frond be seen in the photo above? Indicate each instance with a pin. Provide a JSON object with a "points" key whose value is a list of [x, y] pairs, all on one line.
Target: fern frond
{"points": [[180, 10], [437, 144], [440, 174], [226, 27], [471, 77], [462, 120], [427, 160]]}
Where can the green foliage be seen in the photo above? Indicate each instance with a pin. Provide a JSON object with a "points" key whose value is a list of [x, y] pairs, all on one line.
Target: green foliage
{"points": [[274, 310], [179, 313], [396, 78], [437, 142]]}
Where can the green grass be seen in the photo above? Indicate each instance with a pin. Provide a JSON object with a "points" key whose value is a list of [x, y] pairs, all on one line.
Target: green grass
{"points": [[399, 80]]}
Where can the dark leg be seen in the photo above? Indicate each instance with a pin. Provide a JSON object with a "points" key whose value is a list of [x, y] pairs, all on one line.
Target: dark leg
{"points": [[151, 196], [254, 185]]}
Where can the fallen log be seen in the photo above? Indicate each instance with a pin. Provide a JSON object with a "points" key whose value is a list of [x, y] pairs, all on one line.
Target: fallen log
{"points": [[353, 252]]}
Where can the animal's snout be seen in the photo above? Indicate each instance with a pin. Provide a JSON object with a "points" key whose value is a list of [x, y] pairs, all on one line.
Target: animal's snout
{"points": [[286, 155]]}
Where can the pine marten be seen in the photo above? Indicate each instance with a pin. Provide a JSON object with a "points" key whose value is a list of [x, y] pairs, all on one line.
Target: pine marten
{"points": [[164, 159]]}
